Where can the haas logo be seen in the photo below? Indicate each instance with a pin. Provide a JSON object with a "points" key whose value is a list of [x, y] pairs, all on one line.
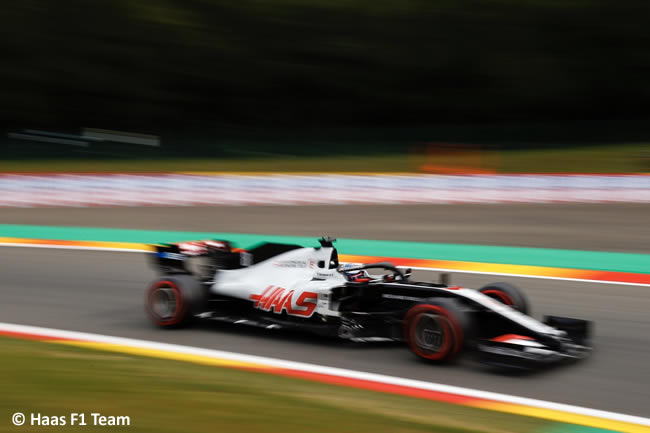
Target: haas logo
{"points": [[279, 299]]}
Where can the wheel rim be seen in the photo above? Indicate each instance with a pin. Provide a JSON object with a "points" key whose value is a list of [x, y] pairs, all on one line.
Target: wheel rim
{"points": [[430, 335], [430, 346], [163, 303], [430, 332]]}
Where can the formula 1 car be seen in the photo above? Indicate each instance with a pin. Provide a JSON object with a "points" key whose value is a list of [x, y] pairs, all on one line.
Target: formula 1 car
{"points": [[288, 286]]}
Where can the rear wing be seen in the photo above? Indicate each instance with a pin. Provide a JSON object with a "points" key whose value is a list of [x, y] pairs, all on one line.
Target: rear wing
{"points": [[174, 258], [215, 254]]}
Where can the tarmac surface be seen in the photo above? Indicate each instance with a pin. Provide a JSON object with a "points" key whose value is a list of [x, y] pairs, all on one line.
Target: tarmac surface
{"points": [[103, 292]]}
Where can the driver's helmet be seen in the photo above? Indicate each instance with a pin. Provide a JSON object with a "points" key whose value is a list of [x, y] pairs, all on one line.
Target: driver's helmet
{"points": [[358, 275]]}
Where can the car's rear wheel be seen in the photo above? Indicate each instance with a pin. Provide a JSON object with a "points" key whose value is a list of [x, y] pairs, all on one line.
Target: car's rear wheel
{"points": [[507, 294], [173, 301], [436, 330]]}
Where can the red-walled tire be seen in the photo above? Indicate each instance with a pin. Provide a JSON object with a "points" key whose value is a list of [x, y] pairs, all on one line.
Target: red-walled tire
{"points": [[436, 330], [173, 301], [507, 294]]}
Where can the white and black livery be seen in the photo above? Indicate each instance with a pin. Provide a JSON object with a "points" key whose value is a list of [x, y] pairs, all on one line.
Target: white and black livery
{"points": [[289, 286]]}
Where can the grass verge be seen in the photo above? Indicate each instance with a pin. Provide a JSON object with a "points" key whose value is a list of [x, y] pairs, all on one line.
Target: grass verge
{"points": [[169, 396], [624, 158], [377, 163]]}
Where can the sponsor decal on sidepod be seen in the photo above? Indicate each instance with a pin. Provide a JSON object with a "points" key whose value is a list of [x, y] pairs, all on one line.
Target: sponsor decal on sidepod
{"points": [[279, 299]]}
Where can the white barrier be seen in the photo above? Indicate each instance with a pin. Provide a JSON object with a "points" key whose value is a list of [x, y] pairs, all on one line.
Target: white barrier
{"points": [[174, 189]]}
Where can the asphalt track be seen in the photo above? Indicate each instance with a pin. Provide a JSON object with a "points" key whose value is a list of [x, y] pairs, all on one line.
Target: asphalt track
{"points": [[102, 292]]}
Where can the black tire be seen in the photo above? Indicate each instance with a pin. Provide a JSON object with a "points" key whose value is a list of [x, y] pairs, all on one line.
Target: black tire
{"points": [[173, 301], [436, 330], [507, 294]]}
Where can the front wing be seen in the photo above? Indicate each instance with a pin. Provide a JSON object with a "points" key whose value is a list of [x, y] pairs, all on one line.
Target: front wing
{"points": [[523, 352]]}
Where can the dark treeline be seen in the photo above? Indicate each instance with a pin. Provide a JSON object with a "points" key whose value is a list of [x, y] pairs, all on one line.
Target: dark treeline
{"points": [[152, 65]]}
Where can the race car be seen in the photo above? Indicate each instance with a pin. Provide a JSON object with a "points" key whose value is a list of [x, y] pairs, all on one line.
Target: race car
{"points": [[277, 285]]}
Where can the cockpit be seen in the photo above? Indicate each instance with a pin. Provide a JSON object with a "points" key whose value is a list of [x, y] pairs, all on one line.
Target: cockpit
{"points": [[358, 273]]}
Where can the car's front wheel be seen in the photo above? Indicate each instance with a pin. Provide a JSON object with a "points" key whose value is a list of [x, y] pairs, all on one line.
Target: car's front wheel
{"points": [[436, 330], [174, 300]]}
